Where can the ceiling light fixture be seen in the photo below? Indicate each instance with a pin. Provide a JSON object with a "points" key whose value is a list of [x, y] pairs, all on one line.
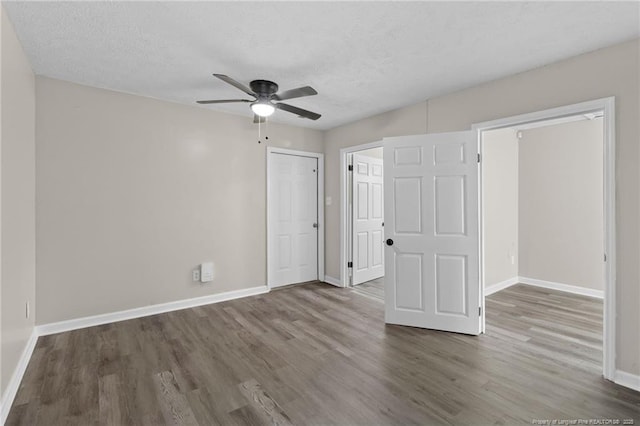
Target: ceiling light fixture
{"points": [[262, 108]]}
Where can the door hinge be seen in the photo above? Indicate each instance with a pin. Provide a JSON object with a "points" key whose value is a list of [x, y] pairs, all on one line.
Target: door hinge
{"points": [[349, 264], [350, 167], [478, 158], [480, 311]]}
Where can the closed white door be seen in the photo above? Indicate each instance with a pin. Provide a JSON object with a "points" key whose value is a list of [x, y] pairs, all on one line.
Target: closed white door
{"points": [[431, 226], [367, 225], [293, 219]]}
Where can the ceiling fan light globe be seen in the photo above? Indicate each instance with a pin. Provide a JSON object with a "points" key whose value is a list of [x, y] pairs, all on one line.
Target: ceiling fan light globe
{"points": [[262, 109]]}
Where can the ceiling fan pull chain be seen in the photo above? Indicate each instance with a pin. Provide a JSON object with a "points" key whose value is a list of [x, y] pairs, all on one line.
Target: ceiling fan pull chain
{"points": [[266, 128], [259, 130]]}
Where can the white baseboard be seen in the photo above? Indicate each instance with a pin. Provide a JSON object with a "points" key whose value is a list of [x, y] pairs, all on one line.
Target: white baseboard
{"points": [[562, 287], [494, 288], [627, 380], [75, 324], [332, 281], [16, 378]]}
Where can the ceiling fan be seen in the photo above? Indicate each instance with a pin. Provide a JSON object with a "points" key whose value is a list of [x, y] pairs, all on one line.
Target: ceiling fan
{"points": [[265, 93]]}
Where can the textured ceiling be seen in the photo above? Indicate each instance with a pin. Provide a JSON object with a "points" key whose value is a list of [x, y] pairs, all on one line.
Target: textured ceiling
{"points": [[362, 57]]}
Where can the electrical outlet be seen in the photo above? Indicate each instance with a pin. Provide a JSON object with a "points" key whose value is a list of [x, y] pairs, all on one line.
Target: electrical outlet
{"points": [[196, 274], [27, 310]]}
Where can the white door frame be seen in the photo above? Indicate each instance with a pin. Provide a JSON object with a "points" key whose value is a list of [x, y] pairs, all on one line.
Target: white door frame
{"points": [[607, 106], [344, 208], [320, 158]]}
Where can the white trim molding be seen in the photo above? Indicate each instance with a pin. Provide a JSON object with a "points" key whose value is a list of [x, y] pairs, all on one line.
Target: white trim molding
{"points": [[494, 288], [567, 288], [320, 157], [607, 107], [331, 280], [78, 323], [628, 380], [16, 378]]}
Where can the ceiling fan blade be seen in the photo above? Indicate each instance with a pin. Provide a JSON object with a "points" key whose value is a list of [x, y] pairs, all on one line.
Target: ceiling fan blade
{"points": [[299, 111], [235, 84], [222, 101], [295, 93], [257, 119]]}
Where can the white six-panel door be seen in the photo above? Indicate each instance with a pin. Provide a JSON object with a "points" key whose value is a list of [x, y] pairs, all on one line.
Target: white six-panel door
{"points": [[293, 217], [367, 224], [431, 223]]}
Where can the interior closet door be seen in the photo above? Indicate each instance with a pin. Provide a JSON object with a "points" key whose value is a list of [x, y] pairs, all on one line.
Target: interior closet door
{"points": [[293, 219]]}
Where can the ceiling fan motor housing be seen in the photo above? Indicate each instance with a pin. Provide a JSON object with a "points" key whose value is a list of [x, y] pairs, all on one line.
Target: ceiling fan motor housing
{"points": [[263, 88]]}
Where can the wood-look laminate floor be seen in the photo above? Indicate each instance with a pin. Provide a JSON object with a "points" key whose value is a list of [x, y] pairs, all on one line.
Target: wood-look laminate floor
{"points": [[373, 288], [316, 354]]}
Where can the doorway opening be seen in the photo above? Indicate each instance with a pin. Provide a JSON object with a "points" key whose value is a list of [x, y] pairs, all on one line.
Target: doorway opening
{"points": [[547, 227], [366, 224], [362, 224]]}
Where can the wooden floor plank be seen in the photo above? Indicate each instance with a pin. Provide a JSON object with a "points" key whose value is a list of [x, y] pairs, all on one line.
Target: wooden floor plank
{"points": [[174, 404], [316, 354], [263, 402]]}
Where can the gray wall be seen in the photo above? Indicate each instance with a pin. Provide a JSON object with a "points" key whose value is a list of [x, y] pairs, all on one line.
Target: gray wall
{"points": [[17, 146], [500, 205], [561, 200], [612, 71], [133, 193]]}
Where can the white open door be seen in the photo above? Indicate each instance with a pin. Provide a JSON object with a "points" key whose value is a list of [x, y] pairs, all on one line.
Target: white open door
{"points": [[431, 227], [293, 219], [367, 225]]}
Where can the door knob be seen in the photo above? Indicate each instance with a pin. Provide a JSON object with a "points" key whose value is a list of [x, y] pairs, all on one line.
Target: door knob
{"points": [[389, 242], [315, 225]]}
